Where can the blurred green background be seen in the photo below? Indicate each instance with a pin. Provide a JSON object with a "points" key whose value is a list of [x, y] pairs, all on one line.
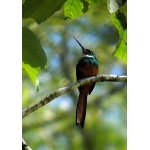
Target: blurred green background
{"points": [[52, 127]]}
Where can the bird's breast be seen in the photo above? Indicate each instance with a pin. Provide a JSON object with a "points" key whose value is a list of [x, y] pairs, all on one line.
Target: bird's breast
{"points": [[88, 70]]}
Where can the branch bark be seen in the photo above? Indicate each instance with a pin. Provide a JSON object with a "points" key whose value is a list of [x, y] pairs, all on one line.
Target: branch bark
{"points": [[57, 93], [25, 146]]}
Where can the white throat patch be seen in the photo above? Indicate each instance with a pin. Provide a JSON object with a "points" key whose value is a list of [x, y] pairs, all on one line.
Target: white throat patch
{"points": [[88, 56]]}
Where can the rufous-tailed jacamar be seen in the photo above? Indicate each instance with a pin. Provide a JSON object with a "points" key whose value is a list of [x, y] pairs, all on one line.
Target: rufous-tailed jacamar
{"points": [[86, 67]]}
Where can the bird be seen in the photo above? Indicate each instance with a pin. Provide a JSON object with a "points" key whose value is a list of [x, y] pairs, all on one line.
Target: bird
{"points": [[86, 67]]}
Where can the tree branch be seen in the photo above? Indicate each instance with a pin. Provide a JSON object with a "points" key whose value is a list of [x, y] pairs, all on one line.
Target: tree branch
{"points": [[57, 93], [25, 146]]}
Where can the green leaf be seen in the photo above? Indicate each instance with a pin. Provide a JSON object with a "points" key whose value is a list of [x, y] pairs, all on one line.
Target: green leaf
{"points": [[75, 8], [33, 56], [120, 22], [40, 10], [86, 6], [32, 73], [121, 48]]}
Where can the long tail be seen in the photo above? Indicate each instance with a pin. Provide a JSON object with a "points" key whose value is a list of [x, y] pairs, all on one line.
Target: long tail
{"points": [[81, 110]]}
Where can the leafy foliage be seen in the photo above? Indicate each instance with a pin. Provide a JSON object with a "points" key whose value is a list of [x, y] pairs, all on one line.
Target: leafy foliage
{"points": [[33, 56], [40, 10], [119, 20], [75, 8]]}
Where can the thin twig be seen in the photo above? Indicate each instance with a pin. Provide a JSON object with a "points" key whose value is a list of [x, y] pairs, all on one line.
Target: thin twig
{"points": [[57, 93]]}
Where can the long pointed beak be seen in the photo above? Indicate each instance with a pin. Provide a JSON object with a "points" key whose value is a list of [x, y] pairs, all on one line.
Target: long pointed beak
{"points": [[83, 49]]}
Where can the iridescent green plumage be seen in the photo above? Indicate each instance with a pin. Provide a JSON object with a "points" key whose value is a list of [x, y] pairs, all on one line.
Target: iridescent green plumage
{"points": [[91, 60]]}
